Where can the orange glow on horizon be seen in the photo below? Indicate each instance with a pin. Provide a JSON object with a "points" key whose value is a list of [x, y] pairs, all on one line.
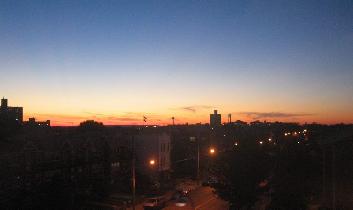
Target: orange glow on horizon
{"points": [[75, 120]]}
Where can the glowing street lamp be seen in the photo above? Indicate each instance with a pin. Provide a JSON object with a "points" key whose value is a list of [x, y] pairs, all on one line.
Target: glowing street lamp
{"points": [[212, 151], [261, 142], [152, 162]]}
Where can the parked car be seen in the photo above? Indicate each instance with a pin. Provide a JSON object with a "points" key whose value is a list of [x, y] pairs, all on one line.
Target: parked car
{"points": [[126, 199], [186, 185], [154, 203], [182, 201]]}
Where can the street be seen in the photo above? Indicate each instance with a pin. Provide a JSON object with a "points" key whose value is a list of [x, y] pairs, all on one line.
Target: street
{"points": [[201, 199]]}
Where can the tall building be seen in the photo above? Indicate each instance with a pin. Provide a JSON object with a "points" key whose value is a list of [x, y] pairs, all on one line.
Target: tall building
{"points": [[215, 119], [11, 113]]}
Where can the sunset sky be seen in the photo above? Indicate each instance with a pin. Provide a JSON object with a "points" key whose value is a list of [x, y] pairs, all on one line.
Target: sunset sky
{"points": [[116, 61]]}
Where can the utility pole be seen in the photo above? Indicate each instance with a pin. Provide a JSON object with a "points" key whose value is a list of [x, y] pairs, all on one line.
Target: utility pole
{"points": [[198, 161], [323, 174], [333, 178], [198, 154], [133, 183]]}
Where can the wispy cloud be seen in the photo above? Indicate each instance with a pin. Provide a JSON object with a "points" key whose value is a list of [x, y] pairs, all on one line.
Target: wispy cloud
{"points": [[94, 114], [195, 108], [45, 116], [125, 119], [122, 118], [264, 115]]}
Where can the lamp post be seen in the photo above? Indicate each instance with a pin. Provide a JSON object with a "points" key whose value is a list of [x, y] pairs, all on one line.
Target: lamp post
{"points": [[152, 162], [198, 161], [133, 184], [153, 175]]}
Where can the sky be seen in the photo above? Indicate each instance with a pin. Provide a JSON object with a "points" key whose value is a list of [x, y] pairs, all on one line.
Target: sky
{"points": [[117, 61]]}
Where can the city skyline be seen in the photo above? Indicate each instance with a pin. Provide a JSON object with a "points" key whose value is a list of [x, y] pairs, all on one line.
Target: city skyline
{"points": [[119, 61], [153, 119]]}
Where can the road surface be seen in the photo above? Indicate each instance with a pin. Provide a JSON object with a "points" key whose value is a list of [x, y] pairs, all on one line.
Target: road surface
{"points": [[201, 199]]}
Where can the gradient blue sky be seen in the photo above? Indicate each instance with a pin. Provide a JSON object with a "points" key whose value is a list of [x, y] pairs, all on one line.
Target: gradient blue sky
{"points": [[115, 61]]}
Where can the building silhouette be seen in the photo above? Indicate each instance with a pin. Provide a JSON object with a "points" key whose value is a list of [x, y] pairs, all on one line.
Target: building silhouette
{"points": [[11, 113], [215, 119], [33, 122], [153, 146], [80, 162]]}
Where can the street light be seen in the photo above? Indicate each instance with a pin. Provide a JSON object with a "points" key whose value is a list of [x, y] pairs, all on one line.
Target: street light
{"points": [[212, 151], [152, 162]]}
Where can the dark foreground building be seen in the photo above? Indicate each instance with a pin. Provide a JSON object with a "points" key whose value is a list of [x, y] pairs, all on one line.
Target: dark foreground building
{"points": [[44, 167], [11, 113]]}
